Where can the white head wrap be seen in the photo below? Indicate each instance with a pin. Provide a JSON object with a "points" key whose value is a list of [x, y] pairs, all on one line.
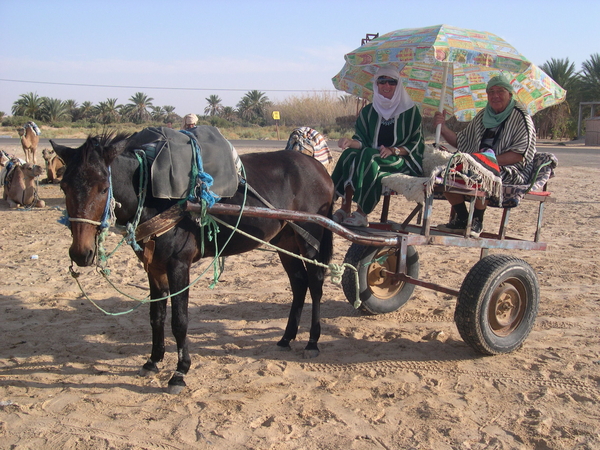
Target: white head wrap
{"points": [[190, 119], [390, 107]]}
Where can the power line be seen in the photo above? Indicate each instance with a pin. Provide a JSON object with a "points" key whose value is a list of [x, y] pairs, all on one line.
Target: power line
{"points": [[164, 88]]}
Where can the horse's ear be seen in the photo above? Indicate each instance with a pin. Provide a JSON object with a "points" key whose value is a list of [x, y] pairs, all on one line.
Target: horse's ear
{"points": [[115, 150], [63, 152]]}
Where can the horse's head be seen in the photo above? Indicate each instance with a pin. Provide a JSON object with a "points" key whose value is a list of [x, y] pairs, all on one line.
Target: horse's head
{"points": [[85, 184]]}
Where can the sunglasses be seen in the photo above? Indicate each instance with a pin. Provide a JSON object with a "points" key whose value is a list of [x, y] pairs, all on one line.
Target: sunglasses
{"points": [[389, 81]]}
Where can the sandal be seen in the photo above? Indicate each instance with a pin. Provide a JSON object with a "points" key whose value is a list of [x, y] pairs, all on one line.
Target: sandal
{"points": [[339, 216], [356, 219]]}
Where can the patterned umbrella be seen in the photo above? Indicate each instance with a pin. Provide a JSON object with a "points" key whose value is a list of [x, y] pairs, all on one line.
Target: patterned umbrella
{"points": [[468, 59]]}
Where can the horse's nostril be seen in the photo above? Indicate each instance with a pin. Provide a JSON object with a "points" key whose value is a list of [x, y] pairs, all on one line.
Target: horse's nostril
{"points": [[82, 258]]}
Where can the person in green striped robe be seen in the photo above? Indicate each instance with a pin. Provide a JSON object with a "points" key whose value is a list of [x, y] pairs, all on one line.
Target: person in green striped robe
{"points": [[388, 139]]}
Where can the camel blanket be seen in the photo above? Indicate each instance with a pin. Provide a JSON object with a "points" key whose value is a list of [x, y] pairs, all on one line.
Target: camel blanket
{"points": [[312, 143], [171, 155]]}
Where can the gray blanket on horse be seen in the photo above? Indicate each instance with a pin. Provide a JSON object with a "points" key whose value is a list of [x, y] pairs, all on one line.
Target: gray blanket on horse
{"points": [[171, 154]]}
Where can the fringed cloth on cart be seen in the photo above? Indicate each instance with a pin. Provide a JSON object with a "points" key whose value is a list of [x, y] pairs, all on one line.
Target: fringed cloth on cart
{"points": [[435, 163], [543, 166], [472, 171], [312, 143]]}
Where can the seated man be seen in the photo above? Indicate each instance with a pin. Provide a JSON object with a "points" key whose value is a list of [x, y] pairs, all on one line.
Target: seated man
{"points": [[503, 126]]}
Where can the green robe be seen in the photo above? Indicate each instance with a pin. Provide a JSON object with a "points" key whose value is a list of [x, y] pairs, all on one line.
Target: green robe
{"points": [[363, 169]]}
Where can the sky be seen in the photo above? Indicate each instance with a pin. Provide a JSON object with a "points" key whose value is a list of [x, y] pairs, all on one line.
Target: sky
{"points": [[180, 53]]}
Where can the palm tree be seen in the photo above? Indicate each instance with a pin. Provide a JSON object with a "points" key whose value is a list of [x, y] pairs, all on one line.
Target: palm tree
{"points": [[54, 110], [72, 107], [170, 112], [558, 121], [228, 113], [85, 111], [253, 105], [214, 105], [29, 105], [107, 112], [137, 110], [590, 78], [158, 113]]}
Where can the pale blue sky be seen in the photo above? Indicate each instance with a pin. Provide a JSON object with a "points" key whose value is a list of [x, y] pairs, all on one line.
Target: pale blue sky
{"points": [[228, 47]]}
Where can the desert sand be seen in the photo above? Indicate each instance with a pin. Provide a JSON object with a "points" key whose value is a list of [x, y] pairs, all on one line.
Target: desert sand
{"points": [[404, 380]]}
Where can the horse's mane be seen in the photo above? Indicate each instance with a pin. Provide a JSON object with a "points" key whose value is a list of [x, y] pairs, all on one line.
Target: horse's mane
{"points": [[102, 140], [106, 138]]}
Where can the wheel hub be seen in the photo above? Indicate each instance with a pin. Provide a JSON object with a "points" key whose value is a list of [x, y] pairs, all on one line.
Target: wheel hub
{"points": [[381, 275], [507, 307]]}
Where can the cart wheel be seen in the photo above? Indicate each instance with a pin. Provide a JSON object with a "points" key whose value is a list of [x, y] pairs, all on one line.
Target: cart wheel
{"points": [[497, 304], [378, 292]]}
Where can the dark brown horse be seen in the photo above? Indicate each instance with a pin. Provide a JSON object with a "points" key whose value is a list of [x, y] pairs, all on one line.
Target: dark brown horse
{"points": [[287, 180]]}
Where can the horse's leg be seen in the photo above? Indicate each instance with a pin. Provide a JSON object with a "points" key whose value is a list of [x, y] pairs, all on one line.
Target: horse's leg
{"points": [[316, 277], [299, 282], [179, 277], [158, 313]]}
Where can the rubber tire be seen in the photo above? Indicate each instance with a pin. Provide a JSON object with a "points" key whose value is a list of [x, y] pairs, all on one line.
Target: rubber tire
{"points": [[377, 299], [497, 281]]}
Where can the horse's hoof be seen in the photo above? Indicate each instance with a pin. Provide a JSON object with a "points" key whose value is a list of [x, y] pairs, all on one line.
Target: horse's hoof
{"points": [[148, 370], [175, 389], [176, 384], [310, 353], [284, 345]]}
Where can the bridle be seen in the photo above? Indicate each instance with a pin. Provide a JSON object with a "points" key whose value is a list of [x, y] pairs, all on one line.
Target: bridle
{"points": [[106, 215]]}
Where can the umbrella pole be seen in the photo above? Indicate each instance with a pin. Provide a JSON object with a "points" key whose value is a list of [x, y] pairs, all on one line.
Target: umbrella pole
{"points": [[438, 128]]}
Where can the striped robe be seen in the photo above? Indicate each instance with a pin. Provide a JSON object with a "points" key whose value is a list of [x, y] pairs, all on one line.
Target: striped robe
{"points": [[363, 168], [517, 135]]}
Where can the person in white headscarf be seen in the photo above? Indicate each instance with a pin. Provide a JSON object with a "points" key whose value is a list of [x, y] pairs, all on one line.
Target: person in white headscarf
{"points": [[388, 139], [190, 121]]}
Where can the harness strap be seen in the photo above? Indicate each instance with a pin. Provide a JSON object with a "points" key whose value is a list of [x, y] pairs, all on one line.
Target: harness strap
{"points": [[309, 238], [159, 224]]}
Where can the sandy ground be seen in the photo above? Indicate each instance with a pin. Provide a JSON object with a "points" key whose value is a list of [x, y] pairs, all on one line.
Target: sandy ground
{"points": [[68, 372]]}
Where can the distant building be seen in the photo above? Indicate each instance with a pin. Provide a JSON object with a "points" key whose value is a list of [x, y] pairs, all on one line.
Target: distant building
{"points": [[592, 131]]}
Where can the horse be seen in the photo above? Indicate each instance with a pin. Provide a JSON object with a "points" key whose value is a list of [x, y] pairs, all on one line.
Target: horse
{"points": [[55, 166], [287, 180], [29, 141], [19, 184]]}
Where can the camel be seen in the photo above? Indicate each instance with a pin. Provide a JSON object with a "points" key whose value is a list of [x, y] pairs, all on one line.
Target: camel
{"points": [[55, 167], [19, 184], [29, 140]]}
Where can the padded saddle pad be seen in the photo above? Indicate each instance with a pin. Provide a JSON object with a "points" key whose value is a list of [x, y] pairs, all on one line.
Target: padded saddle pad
{"points": [[172, 156]]}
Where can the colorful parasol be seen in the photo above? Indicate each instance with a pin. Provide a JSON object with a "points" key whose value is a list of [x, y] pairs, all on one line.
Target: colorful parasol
{"points": [[468, 59]]}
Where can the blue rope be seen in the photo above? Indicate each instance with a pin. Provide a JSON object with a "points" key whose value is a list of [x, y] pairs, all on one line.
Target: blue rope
{"points": [[107, 214], [201, 181]]}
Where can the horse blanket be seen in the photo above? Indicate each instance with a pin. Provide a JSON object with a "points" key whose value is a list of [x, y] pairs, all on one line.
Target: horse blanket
{"points": [[171, 155]]}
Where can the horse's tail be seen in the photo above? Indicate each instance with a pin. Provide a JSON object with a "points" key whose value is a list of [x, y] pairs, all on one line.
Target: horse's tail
{"points": [[326, 248]]}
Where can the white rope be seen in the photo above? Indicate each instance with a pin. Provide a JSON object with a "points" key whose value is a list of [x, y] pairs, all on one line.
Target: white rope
{"points": [[336, 270], [79, 219]]}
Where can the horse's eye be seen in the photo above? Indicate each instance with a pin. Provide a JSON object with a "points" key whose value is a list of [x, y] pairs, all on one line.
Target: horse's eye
{"points": [[104, 191]]}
